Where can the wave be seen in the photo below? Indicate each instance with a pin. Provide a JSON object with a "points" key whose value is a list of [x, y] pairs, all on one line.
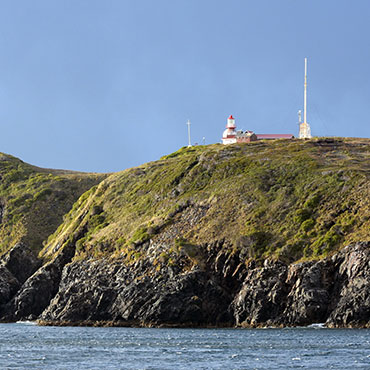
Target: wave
{"points": [[26, 322], [317, 326]]}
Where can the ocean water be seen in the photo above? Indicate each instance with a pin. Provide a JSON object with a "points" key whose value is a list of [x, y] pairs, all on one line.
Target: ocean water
{"points": [[27, 346]]}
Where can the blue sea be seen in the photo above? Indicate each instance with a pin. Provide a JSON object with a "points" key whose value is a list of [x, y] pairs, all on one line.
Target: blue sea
{"points": [[28, 346]]}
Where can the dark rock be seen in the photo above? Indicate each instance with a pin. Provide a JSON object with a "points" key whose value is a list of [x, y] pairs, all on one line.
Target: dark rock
{"points": [[221, 290], [191, 298], [15, 267], [36, 293], [262, 296], [85, 289], [21, 262], [103, 291], [309, 297], [8, 285], [334, 290], [353, 293]]}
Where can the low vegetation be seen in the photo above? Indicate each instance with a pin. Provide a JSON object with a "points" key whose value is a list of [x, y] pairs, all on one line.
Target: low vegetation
{"points": [[33, 200], [284, 199]]}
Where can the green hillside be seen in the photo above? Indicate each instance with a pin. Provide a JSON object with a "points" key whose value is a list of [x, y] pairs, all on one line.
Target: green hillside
{"points": [[33, 200], [288, 199]]}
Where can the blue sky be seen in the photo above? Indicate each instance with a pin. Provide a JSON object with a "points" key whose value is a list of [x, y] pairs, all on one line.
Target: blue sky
{"points": [[105, 85]]}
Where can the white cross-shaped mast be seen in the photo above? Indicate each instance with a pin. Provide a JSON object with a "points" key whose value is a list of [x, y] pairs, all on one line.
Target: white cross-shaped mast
{"points": [[189, 142]]}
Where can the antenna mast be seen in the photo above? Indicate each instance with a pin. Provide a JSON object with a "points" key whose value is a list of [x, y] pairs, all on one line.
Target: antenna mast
{"points": [[305, 91], [304, 127], [189, 142]]}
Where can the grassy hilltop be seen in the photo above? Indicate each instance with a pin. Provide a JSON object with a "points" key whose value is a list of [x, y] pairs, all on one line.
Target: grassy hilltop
{"points": [[33, 200], [286, 199]]}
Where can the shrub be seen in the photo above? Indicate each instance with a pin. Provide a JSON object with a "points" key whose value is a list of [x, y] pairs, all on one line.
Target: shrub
{"points": [[326, 243], [312, 202], [42, 194], [96, 223], [140, 235], [307, 225], [255, 242]]}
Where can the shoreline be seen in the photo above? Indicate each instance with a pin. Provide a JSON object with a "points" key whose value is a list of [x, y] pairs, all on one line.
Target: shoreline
{"points": [[138, 325]]}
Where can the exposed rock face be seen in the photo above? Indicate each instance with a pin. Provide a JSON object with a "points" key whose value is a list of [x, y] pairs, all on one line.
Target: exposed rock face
{"points": [[334, 290], [309, 288], [15, 267], [262, 295], [21, 262], [219, 291], [105, 291], [8, 285], [352, 287], [37, 291]]}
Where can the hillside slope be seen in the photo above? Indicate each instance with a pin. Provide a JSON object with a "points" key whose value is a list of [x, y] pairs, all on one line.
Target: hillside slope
{"points": [[246, 235], [34, 200], [286, 199]]}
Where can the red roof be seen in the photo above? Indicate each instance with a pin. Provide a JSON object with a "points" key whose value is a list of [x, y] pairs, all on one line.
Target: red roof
{"points": [[274, 136], [231, 117]]}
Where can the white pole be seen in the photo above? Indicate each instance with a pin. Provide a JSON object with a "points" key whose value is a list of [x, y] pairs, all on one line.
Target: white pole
{"points": [[189, 142], [305, 91]]}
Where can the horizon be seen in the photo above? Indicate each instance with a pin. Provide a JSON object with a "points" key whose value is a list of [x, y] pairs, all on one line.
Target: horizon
{"points": [[96, 87]]}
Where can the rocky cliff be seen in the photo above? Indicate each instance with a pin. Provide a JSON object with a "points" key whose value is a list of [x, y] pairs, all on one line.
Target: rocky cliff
{"points": [[221, 292], [266, 234]]}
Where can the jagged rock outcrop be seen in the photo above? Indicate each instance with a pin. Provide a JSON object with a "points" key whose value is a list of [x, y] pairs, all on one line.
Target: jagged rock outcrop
{"points": [[21, 262], [334, 290], [8, 285], [15, 267], [221, 291], [102, 291], [309, 287], [351, 290], [37, 291], [262, 295]]}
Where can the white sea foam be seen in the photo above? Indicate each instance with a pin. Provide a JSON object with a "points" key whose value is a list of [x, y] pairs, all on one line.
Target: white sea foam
{"points": [[317, 326], [27, 322]]}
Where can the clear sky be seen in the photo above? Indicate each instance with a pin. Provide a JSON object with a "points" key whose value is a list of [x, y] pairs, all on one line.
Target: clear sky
{"points": [[102, 85]]}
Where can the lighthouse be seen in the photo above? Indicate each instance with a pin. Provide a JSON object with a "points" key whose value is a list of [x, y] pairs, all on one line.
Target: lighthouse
{"points": [[229, 135], [304, 127]]}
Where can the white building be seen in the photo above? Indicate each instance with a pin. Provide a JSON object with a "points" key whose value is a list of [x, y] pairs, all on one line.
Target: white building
{"points": [[231, 136]]}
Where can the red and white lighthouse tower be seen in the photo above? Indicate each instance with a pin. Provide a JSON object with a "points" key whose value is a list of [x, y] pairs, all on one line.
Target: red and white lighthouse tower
{"points": [[229, 135]]}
